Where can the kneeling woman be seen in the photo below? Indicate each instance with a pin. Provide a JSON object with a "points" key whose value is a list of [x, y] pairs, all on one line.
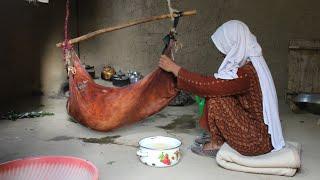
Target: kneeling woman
{"points": [[241, 100]]}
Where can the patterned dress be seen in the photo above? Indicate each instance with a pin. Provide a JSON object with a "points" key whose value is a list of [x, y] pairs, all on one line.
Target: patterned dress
{"points": [[233, 111]]}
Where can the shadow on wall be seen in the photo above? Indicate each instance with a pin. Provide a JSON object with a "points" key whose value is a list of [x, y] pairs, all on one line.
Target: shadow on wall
{"points": [[31, 64]]}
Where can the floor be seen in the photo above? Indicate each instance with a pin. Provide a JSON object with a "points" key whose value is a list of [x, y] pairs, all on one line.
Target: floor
{"points": [[114, 153]]}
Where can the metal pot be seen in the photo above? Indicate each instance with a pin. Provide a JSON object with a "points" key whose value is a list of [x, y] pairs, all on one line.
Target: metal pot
{"points": [[120, 81], [134, 76], [308, 102], [159, 151]]}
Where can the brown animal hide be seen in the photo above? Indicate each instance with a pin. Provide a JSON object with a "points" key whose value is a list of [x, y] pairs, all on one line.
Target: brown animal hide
{"points": [[105, 108]]}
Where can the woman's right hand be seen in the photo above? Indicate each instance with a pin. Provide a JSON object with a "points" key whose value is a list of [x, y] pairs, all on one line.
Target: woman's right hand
{"points": [[168, 65]]}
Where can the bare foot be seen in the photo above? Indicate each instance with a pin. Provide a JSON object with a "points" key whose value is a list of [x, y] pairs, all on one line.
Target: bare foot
{"points": [[211, 146]]}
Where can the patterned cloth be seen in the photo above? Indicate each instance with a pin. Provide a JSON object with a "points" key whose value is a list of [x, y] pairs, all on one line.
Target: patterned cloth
{"points": [[233, 112]]}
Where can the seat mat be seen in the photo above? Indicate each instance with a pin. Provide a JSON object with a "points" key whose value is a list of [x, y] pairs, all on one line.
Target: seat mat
{"points": [[284, 162]]}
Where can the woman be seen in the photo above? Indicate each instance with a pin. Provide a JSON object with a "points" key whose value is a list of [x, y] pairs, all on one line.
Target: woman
{"points": [[241, 101]]}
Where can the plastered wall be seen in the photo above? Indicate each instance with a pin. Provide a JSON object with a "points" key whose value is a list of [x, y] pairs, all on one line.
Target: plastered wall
{"points": [[274, 22], [30, 62]]}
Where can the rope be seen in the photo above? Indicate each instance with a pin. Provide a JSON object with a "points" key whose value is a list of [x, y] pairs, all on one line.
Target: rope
{"points": [[173, 31], [66, 26], [66, 45], [174, 19], [66, 20]]}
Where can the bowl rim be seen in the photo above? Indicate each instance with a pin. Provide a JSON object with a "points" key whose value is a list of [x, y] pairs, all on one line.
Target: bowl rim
{"points": [[20, 161], [307, 98], [160, 149]]}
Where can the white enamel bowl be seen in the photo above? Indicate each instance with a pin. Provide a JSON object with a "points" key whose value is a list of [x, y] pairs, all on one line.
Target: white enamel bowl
{"points": [[159, 151]]}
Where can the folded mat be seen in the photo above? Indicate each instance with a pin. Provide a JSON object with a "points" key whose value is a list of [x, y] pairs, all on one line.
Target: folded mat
{"points": [[284, 162]]}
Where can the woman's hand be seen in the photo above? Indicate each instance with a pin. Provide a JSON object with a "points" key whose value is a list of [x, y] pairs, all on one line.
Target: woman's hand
{"points": [[168, 65]]}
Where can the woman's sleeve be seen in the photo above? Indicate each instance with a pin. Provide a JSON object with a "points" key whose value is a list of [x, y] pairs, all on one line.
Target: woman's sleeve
{"points": [[207, 86]]}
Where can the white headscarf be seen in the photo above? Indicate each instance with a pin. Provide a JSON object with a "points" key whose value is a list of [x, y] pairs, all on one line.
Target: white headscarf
{"points": [[235, 40]]}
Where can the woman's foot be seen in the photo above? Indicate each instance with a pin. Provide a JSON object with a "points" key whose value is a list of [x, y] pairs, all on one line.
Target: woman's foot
{"points": [[209, 149], [199, 141], [211, 146], [202, 139]]}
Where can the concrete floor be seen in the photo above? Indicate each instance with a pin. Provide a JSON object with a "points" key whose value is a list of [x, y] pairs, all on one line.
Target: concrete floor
{"points": [[116, 159]]}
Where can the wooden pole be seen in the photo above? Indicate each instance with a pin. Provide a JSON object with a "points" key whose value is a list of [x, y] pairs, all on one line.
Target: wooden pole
{"points": [[121, 26]]}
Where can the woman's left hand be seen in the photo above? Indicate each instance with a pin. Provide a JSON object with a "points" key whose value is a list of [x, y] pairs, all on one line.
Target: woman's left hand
{"points": [[168, 65]]}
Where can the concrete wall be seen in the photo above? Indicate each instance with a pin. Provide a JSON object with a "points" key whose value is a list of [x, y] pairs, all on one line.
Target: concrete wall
{"points": [[274, 22], [30, 62]]}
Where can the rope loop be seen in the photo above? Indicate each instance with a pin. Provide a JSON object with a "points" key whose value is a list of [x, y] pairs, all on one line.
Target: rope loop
{"points": [[175, 15], [171, 10]]}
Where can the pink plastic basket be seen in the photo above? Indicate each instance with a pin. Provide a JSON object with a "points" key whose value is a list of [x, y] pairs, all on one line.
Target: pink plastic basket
{"points": [[48, 168]]}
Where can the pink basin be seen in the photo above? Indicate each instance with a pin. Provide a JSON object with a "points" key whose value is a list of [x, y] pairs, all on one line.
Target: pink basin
{"points": [[48, 168]]}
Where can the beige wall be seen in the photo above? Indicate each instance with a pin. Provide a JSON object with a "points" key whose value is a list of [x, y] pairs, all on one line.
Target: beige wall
{"points": [[274, 22], [31, 62]]}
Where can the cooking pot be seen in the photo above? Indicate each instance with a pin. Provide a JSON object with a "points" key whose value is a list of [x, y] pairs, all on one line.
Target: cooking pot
{"points": [[107, 73], [134, 76], [159, 151], [120, 79]]}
